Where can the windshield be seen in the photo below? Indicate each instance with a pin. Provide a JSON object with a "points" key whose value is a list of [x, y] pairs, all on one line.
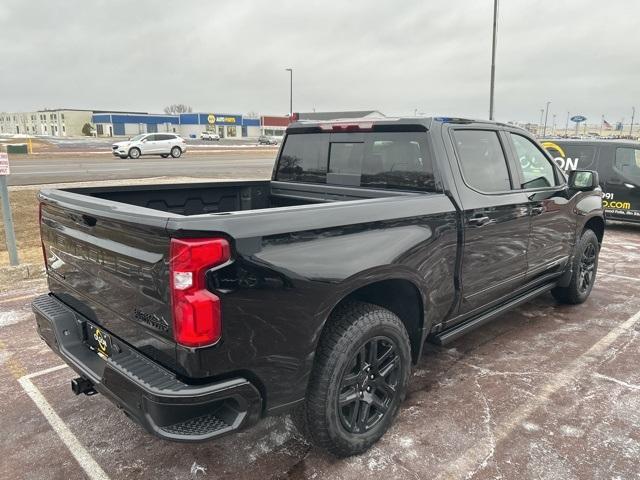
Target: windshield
{"points": [[137, 137]]}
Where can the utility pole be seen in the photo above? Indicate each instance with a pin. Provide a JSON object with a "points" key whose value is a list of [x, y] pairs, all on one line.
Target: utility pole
{"points": [[290, 70], [633, 115], [553, 129], [546, 116], [566, 127], [493, 57]]}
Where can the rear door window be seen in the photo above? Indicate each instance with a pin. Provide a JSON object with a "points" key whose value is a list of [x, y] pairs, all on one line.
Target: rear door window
{"points": [[482, 160]]}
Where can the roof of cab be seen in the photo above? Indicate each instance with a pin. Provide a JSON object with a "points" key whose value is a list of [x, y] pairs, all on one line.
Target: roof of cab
{"points": [[390, 121]]}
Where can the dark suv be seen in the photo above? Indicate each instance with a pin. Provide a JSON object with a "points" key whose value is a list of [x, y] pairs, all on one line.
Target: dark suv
{"points": [[618, 165]]}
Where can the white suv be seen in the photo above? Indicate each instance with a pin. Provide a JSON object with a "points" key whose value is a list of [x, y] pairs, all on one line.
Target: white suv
{"points": [[163, 144]]}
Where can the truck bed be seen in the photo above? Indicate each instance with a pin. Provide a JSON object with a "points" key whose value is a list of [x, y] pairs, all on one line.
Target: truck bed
{"points": [[224, 197]]}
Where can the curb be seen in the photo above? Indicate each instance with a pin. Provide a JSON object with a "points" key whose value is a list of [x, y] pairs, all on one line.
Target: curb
{"points": [[24, 271]]}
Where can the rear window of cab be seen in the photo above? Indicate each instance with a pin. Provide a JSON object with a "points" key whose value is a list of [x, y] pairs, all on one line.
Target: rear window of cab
{"points": [[391, 160]]}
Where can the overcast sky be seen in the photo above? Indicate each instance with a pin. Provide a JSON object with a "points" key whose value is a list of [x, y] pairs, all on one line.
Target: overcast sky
{"points": [[229, 57]]}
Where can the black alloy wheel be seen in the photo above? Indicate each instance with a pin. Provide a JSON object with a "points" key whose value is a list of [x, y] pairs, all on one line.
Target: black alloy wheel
{"points": [[587, 267], [369, 385]]}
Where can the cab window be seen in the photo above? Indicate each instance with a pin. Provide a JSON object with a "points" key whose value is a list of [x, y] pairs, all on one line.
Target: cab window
{"points": [[627, 162], [482, 160], [537, 170]]}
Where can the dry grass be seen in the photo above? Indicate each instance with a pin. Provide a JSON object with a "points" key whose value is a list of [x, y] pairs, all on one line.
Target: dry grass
{"points": [[24, 206]]}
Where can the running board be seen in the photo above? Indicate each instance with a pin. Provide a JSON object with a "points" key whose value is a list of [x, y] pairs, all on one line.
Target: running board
{"points": [[453, 333]]}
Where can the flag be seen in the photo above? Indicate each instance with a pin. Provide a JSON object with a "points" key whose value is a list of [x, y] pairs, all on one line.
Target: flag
{"points": [[605, 124]]}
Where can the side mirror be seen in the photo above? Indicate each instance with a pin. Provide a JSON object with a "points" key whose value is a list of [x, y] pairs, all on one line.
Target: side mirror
{"points": [[584, 180]]}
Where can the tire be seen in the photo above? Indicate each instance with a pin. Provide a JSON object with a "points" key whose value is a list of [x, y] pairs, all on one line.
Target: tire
{"points": [[176, 152], [344, 368], [164, 155], [585, 267], [123, 157], [134, 153]]}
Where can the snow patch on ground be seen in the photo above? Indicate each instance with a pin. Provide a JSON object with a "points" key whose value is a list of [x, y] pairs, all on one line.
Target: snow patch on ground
{"points": [[12, 317], [569, 431], [530, 427]]}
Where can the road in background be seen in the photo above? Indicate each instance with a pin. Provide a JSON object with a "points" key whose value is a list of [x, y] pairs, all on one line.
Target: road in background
{"points": [[70, 167]]}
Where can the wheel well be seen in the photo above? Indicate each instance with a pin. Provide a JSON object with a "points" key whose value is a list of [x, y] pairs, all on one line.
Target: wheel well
{"points": [[400, 297], [597, 225]]}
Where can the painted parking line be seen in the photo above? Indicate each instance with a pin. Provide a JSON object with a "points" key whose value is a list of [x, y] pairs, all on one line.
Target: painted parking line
{"points": [[82, 456], [474, 458]]}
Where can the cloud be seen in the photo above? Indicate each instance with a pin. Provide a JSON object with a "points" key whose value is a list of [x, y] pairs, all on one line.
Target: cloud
{"points": [[392, 56]]}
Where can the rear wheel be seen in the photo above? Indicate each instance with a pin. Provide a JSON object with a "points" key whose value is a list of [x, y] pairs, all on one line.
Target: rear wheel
{"points": [[134, 153], [359, 379], [176, 152], [585, 267]]}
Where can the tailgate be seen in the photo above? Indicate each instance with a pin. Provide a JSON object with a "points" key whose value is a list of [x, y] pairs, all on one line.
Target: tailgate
{"points": [[109, 262]]}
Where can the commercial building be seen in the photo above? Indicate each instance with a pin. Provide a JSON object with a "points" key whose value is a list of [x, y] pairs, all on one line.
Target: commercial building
{"points": [[126, 124], [227, 125], [273, 125], [56, 122], [189, 125]]}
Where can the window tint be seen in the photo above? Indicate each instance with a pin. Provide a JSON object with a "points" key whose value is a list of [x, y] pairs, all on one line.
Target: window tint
{"points": [[304, 158], [395, 160], [165, 137], [627, 162], [537, 170], [151, 138], [483, 163]]}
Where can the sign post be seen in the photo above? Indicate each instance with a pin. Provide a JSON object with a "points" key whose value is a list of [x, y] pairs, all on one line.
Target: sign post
{"points": [[578, 119], [6, 210]]}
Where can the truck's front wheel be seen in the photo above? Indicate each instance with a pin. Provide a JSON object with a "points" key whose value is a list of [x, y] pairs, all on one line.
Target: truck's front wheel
{"points": [[585, 267], [359, 379]]}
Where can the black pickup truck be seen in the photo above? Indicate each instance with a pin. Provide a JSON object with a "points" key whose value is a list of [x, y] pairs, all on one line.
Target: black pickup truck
{"points": [[200, 308]]}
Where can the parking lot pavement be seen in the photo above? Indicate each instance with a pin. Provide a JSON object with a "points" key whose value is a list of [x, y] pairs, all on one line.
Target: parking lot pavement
{"points": [[544, 392]]}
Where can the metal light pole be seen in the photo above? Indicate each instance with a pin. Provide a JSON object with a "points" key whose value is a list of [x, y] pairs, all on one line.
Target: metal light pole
{"points": [[540, 122], [566, 126], [546, 115], [633, 115], [553, 123], [290, 70], [493, 57]]}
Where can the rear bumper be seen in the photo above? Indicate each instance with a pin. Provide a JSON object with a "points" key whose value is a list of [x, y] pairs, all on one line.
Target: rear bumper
{"points": [[150, 394]]}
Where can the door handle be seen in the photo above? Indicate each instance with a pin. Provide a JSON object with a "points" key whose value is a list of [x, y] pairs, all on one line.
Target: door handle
{"points": [[479, 221], [537, 210]]}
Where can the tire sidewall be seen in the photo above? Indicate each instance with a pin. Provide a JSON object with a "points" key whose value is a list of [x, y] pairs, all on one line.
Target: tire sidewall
{"points": [[134, 149], [176, 152], [588, 236], [343, 439]]}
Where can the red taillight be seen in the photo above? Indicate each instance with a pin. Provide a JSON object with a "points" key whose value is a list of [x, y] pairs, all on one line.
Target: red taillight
{"points": [[196, 311], [347, 127]]}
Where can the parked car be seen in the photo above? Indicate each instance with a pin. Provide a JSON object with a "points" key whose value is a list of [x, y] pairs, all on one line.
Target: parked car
{"points": [[200, 308], [267, 140], [618, 165], [209, 136], [163, 144]]}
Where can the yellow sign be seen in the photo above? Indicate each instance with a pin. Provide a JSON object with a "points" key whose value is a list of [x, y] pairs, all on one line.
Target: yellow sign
{"points": [[211, 118], [554, 146]]}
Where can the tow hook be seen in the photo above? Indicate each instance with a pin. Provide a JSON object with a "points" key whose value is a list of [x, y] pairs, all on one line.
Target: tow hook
{"points": [[82, 385]]}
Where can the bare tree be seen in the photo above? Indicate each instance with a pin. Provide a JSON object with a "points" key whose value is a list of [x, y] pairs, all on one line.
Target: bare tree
{"points": [[177, 108]]}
